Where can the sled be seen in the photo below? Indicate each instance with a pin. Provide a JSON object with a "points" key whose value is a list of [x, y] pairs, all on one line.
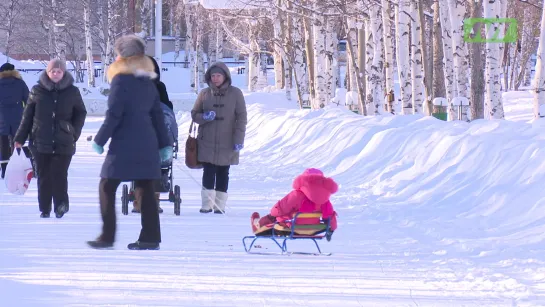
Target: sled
{"points": [[289, 230]]}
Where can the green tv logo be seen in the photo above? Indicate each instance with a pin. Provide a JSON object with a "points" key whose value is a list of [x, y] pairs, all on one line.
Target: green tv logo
{"points": [[510, 35]]}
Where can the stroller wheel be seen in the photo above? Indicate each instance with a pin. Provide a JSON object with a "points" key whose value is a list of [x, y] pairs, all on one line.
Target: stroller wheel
{"points": [[125, 200], [177, 200]]}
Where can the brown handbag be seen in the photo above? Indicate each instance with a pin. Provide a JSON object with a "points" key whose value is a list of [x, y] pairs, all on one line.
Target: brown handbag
{"points": [[191, 158]]}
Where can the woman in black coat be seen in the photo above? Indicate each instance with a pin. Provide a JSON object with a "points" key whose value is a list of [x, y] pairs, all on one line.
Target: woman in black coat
{"points": [[52, 121], [139, 142], [13, 97]]}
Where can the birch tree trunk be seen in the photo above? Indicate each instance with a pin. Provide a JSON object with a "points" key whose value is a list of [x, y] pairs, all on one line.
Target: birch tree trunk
{"points": [[438, 72], [145, 12], [178, 11], [199, 61], [190, 43], [88, 43], [279, 79], [417, 69], [359, 59], [46, 25], [402, 21], [352, 32], [477, 68], [331, 59], [111, 37], [448, 58], [388, 49], [493, 103], [527, 46], [299, 65], [457, 13], [102, 37], [539, 79], [320, 73], [220, 38], [10, 20], [253, 60], [58, 30], [425, 43], [212, 44], [377, 66], [310, 59], [369, 58]]}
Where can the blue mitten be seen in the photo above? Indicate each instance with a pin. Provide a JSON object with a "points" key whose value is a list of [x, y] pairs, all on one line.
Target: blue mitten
{"points": [[209, 115], [97, 148], [166, 153], [238, 147]]}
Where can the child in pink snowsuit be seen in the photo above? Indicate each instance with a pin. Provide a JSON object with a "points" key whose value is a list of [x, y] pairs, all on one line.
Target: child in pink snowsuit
{"points": [[311, 192]]}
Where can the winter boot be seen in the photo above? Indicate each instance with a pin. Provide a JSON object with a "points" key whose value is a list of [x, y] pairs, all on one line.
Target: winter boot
{"points": [[221, 200], [254, 220], [208, 198], [61, 210], [138, 245]]}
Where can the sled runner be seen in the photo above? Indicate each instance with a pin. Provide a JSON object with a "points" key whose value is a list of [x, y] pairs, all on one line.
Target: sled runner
{"points": [[292, 229]]}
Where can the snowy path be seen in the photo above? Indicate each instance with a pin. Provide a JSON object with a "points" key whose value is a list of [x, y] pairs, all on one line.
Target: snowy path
{"points": [[376, 262]]}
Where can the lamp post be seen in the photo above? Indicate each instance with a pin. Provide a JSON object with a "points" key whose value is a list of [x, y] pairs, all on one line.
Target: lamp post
{"points": [[159, 32]]}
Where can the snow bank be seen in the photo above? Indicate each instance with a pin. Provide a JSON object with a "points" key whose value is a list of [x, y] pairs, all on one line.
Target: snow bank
{"points": [[469, 186]]}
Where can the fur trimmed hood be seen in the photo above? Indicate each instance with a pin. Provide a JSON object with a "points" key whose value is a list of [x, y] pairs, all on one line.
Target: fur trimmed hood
{"points": [[10, 73], [316, 187], [140, 66], [66, 81]]}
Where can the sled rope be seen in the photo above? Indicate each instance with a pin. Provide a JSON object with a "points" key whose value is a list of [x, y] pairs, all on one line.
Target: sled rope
{"points": [[200, 185]]}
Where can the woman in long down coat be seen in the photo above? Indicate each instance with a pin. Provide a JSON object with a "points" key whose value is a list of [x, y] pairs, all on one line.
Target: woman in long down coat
{"points": [[135, 126], [13, 97], [220, 111]]}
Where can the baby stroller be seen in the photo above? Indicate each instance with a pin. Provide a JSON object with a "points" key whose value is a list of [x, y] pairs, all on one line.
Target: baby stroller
{"points": [[166, 186]]}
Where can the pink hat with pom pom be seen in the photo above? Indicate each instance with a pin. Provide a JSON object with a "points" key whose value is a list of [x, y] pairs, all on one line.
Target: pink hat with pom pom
{"points": [[313, 171]]}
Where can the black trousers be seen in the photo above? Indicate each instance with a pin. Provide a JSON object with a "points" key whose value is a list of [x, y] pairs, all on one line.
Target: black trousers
{"points": [[215, 177], [6, 145], [52, 180], [151, 228]]}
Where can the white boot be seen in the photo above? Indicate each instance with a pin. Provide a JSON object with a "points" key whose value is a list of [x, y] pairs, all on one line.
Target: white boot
{"points": [[208, 199], [221, 200]]}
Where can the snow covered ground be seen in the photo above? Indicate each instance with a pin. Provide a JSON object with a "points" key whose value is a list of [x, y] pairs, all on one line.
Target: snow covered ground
{"points": [[431, 213]]}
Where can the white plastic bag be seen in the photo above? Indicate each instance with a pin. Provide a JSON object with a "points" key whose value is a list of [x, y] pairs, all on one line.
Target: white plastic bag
{"points": [[18, 172]]}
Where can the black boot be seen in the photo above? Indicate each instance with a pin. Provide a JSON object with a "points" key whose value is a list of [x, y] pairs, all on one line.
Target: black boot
{"points": [[143, 246], [61, 210], [4, 166], [45, 215], [98, 244]]}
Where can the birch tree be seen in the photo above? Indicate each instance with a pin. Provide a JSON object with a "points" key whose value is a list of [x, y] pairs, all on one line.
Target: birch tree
{"points": [[493, 103], [109, 58], [88, 43], [539, 80], [190, 42], [377, 66], [457, 10], [58, 25], [448, 57], [438, 73], [403, 28], [10, 12], [322, 93], [417, 69], [145, 13], [388, 47], [178, 13], [220, 39]]}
